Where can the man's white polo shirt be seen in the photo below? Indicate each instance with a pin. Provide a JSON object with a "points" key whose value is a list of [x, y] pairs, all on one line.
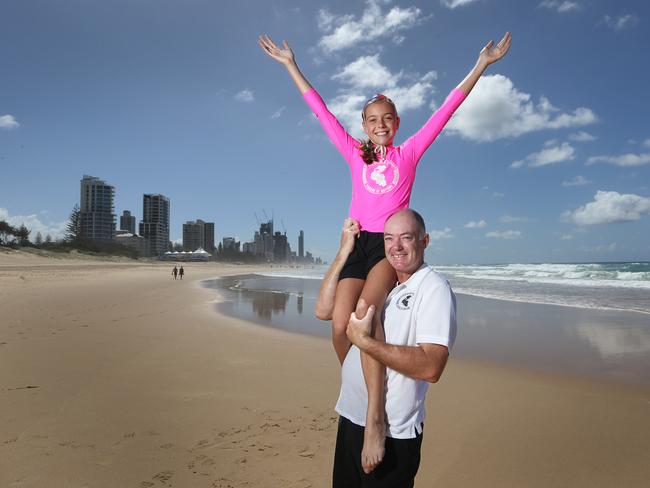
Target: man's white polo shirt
{"points": [[421, 310]]}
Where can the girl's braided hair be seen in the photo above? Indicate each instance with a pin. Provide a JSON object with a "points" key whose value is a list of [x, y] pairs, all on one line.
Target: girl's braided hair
{"points": [[367, 147]]}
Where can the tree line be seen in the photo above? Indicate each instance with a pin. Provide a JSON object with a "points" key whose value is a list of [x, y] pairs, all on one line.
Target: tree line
{"points": [[73, 239]]}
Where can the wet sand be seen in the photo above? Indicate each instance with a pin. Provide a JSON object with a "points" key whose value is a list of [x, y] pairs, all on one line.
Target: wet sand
{"points": [[610, 345], [120, 376]]}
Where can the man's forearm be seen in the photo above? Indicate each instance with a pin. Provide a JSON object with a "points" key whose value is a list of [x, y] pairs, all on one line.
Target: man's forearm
{"points": [[416, 362], [327, 293]]}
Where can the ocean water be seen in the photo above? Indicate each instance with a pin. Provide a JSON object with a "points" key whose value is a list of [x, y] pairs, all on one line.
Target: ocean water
{"points": [[602, 286]]}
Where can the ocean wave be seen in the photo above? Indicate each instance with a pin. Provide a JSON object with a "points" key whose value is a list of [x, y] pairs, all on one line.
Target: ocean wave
{"points": [[615, 275]]}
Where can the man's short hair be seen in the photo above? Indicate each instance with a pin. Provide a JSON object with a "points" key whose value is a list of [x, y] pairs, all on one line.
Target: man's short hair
{"points": [[422, 229]]}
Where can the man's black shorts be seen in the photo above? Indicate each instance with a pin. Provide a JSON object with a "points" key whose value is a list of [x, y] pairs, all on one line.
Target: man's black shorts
{"points": [[368, 251], [397, 470]]}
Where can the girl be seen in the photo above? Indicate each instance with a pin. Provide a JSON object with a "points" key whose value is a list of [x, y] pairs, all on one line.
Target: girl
{"points": [[382, 179]]}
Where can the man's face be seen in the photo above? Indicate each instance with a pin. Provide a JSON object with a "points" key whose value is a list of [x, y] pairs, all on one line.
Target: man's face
{"points": [[403, 245]]}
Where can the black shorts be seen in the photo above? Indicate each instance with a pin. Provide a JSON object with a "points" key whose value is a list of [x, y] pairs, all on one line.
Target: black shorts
{"points": [[397, 470], [368, 251]]}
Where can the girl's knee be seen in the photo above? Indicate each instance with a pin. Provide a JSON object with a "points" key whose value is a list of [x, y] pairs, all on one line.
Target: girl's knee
{"points": [[339, 327]]}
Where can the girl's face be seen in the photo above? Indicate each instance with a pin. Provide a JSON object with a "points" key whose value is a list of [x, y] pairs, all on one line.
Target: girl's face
{"points": [[381, 123]]}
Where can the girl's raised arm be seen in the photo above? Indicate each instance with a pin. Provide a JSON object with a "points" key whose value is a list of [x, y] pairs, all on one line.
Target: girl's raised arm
{"points": [[285, 57], [489, 54]]}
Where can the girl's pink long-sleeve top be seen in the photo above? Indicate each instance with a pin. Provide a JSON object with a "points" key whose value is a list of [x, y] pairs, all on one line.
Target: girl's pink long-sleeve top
{"points": [[384, 187]]}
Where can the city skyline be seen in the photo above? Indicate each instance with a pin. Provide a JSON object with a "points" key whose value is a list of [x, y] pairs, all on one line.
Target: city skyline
{"points": [[548, 160], [98, 221]]}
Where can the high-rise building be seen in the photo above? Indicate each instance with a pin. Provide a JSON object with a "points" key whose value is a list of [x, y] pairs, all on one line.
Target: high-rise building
{"points": [[280, 247], [230, 245], [127, 222], [193, 235], [301, 245], [96, 209], [155, 223], [209, 237], [198, 234], [264, 241]]}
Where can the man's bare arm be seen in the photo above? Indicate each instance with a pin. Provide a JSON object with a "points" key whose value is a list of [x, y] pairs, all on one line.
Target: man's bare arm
{"points": [[422, 362], [327, 293]]}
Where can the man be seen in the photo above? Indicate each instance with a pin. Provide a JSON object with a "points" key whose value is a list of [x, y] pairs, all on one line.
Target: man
{"points": [[419, 321]]}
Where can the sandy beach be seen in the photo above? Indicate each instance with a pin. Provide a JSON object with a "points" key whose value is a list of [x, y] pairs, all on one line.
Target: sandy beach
{"points": [[113, 374]]}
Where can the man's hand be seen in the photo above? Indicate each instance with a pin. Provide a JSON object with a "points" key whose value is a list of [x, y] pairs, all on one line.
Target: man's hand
{"points": [[358, 330], [349, 236]]}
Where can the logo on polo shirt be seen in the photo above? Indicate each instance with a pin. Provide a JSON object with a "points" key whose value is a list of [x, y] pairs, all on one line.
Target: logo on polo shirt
{"points": [[404, 300]]}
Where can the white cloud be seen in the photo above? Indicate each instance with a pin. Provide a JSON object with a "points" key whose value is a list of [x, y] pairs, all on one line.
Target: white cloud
{"points": [[8, 122], [476, 224], [646, 143], [278, 113], [621, 22], [509, 219], [496, 109], [506, 234], [549, 155], [609, 207], [624, 160], [560, 6], [498, 194], [577, 181], [436, 235], [33, 223], [245, 96], [367, 72], [455, 3], [566, 237], [346, 31], [582, 136]]}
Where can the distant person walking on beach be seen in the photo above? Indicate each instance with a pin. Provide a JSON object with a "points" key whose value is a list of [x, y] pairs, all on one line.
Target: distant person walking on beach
{"points": [[181, 272], [382, 179], [175, 272], [420, 327]]}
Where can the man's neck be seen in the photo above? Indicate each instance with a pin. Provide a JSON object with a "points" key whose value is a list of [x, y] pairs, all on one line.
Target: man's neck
{"points": [[403, 276]]}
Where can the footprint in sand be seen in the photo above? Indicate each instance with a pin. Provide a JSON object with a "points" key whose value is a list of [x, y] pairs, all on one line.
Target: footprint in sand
{"points": [[306, 453], [201, 465], [163, 476]]}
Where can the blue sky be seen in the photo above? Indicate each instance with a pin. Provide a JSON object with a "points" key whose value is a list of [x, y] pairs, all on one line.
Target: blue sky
{"points": [[547, 160]]}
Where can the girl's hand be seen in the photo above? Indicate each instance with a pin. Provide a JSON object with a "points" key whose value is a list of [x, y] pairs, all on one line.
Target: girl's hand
{"points": [[491, 53], [282, 55], [349, 236]]}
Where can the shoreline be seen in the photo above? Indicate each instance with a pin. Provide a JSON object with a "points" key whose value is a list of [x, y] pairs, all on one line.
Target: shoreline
{"points": [[604, 345], [140, 383]]}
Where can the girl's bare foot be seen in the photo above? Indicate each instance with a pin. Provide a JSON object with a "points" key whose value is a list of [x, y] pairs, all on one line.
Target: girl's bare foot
{"points": [[374, 437]]}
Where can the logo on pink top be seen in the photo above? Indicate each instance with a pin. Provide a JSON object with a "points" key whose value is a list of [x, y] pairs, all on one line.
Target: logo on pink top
{"points": [[380, 177]]}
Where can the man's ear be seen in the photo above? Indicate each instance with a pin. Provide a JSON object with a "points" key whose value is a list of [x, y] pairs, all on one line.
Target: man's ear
{"points": [[426, 240]]}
